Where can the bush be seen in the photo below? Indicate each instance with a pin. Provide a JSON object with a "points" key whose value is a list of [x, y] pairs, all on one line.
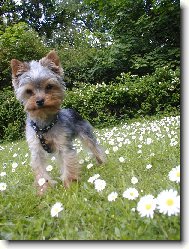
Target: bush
{"points": [[19, 42], [130, 96], [12, 117]]}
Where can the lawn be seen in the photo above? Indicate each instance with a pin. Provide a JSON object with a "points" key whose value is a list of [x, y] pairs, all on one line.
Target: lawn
{"points": [[134, 196]]}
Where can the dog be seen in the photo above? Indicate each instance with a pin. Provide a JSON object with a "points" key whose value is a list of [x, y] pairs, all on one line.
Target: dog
{"points": [[50, 130]]}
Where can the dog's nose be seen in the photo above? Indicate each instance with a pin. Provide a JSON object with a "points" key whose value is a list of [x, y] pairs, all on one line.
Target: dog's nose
{"points": [[40, 102]]}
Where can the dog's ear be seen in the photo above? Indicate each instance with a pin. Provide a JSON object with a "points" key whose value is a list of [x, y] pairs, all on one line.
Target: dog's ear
{"points": [[52, 61], [18, 68]]}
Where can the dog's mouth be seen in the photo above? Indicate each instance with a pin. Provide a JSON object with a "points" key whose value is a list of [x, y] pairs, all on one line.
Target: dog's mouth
{"points": [[43, 106]]}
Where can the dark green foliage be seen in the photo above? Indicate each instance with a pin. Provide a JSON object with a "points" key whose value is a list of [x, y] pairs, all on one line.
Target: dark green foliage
{"points": [[12, 118], [19, 42], [130, 96], [144, 35]]}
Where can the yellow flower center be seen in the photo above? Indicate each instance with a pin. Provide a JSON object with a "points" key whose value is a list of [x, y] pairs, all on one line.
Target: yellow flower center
{"points": [[131, 193], [169, 202], [148, 206], [178, 174]]}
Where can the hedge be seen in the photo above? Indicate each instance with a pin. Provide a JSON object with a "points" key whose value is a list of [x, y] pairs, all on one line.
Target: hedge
{"points": [[129, 96]]}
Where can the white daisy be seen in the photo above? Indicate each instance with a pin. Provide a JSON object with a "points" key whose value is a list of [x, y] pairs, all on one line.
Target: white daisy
{"points": [[3, 174], [15, 155], [174, 174], [3, 186], [130, 193], [99, 184], [120, 145], [107, 152], [168, 202], [90, 165], [146, 206], [56, 209], [134, 180], [49, 168], [41, 181], [148, 141], [14, 165], [81, 161], [87, 158], [148, 166], [93, 178], [115, 148], [121, 159], [111, 142], [112, 196]]}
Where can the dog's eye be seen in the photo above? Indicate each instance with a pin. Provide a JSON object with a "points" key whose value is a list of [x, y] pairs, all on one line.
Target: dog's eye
{"points": [[49, 87], [29, 92]]}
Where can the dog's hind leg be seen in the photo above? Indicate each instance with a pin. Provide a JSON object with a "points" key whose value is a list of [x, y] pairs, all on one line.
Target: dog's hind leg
{"points": [[89, 141]]}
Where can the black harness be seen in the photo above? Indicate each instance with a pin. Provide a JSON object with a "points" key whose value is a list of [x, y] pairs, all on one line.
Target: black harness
{"points": [[41, 131]]}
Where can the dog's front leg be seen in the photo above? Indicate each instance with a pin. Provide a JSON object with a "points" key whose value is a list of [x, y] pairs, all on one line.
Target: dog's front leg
{"points": [[38, 164], [69, 166]]}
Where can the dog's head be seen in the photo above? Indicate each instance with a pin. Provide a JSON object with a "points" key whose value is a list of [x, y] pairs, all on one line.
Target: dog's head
{"points": [[39, 85]]}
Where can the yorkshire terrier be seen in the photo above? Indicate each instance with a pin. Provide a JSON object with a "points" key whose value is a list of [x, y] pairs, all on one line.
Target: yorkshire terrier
{"points": [[39, 86]]}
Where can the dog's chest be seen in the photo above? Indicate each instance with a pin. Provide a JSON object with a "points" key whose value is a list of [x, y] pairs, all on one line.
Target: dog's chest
{"points": [[52, 140], [55, 140]]}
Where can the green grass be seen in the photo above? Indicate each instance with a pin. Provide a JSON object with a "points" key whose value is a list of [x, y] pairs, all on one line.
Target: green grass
{"points": [[87, 214]]}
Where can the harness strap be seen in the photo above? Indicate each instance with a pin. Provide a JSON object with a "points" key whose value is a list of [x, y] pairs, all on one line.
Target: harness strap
{"points": [[40, 131]]}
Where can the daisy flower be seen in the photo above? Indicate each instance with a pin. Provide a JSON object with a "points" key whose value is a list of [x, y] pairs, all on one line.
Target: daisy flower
{"points": [[99, 184], [146, 206], [148, 141], [134, 180], [3, 186], [121, 159], [87, 158], [93, 178], [107, 152], [41, 181], [115, 148], [14, 165], [81, 161], [174, 174], [112, 196], [56, 209], [168, 202], [90, 165], [3, 174], [49, 168], [130, 193], [148, 166]]}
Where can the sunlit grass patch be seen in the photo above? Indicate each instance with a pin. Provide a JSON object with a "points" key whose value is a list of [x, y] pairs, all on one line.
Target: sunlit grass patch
{"points": [[110, 201]]}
